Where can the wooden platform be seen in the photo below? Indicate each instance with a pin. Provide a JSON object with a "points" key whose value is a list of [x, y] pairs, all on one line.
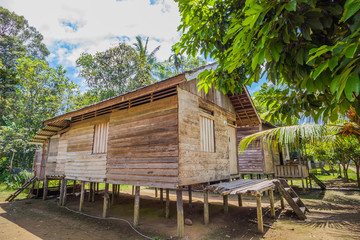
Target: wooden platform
{"points": [[242, 186]]}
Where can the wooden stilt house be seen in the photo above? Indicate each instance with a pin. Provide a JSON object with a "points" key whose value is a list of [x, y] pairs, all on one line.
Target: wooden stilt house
{"points": [[166, 135]]}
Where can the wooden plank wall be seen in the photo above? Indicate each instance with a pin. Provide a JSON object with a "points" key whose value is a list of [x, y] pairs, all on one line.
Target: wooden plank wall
{"points": [[196, 166], [252, 160], [81, 163], [143, 145], [52, 155], [62, 155], [213, 95]]}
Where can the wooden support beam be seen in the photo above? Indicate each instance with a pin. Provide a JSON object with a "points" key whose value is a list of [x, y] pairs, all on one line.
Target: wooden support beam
{"points": [[63, 202], [61, 188], [206, 207], [240, 200], [74, 187], [90, 191], [161, 195], [119, 189], [259, 214], [282, 202], [93, 193], [156, 192], [113, 194], [136, 206], [180, 213], [106, 200], [82, 196], [37, 188], [132, 190], [167, 208], [226, 204], [190, 197], [272, 204], [310, 182], [97, 187], [45, 188]]}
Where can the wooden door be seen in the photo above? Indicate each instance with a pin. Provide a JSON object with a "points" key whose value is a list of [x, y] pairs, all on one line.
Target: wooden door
{"points": [[232, 150]]}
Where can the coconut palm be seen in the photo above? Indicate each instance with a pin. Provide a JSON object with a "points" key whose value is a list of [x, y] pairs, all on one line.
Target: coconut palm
{"points": [[142, 49]]}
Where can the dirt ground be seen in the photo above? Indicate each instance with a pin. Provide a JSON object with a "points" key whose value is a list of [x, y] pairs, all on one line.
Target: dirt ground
{"points": [[334, 215]]}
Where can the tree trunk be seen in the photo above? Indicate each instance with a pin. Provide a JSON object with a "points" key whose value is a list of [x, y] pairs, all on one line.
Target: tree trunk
{"points": [[11, 163], [357, 165]]}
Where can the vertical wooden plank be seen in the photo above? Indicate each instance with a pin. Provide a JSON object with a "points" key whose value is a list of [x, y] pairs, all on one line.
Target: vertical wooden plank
{"points": [[167, 208], [45, 188], [240, 200], [282, 202], [106, 200], [82, 196], [132, 190], [90, 191], [37, 188], [64, 192], [180, 213], [259, 214], [93, 193], [161, 195], [136, 206], [74, 187], [190, 197], [113, 194], [61, 192], [156, 192], [226, 203], [212, 139], [206, 207], [272, 205]]}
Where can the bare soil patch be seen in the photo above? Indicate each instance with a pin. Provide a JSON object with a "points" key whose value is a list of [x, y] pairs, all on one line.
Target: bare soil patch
{"points": [[334, 215]]}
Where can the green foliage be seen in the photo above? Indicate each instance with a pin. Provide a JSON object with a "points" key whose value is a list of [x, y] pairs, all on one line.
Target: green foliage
{"points": [[310, 47], [17, 40], [115, 71], [177, 64]]}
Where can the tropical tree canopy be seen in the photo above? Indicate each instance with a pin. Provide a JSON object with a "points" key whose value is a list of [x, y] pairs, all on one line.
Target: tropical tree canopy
{"points": [[310, 47], [115, 71]]}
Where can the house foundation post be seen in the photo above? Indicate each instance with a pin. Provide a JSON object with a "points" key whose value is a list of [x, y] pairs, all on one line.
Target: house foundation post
{"points": [[82, 196], [190, 197], [206, 207], [272, 205], [106, 200], [180, 213], [259, 213], [136, 206], [226, 203], [167, 208], [240, 200], [45, 188]]}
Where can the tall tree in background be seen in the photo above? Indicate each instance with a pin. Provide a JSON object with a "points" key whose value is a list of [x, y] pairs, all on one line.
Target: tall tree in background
{"points": [[311, 47], [115, 71], [147, 58], [17, 40], [177, 64]]}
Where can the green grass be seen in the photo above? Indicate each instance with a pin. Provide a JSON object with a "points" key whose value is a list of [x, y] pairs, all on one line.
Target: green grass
{"points": [[5, 192]]}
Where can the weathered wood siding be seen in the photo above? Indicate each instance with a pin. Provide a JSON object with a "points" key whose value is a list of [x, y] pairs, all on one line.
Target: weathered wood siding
{"points": [[62, 155], [81, 163], [196, 166], [252, 160], [213, 95], [143, 145], [52, 155]]}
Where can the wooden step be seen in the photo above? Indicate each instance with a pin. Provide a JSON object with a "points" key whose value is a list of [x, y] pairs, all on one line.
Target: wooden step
{"points": [[296, 199], [287, 189], [303, 209]]}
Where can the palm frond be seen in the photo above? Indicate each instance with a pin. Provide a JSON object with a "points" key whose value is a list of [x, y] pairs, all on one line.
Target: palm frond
{"points": [[284, 136]]}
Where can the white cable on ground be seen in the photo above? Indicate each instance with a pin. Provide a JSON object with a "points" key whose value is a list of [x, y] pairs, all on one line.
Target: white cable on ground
{"points": [[110, 218]]}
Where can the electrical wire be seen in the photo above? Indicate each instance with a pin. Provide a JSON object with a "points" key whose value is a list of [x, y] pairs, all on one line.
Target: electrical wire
{"points": [[110, 218]]}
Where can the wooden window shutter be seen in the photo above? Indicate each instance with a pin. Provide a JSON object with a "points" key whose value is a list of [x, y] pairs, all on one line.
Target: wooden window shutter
{"points": [[207, 134], [100, 137]]}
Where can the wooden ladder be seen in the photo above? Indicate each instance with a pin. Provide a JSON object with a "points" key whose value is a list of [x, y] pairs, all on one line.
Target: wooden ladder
{"points": [[291, 197], [20, 189], [318, 182]]}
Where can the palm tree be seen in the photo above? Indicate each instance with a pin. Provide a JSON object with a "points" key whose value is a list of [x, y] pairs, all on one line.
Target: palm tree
{"points": [[142, 49]]}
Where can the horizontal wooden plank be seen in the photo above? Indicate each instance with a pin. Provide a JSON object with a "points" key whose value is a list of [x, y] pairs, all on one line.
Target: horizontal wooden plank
{"points": [[112, 164]]}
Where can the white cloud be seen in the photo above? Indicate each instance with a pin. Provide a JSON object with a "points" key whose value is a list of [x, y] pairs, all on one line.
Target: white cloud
{"points": [[71, 27]]}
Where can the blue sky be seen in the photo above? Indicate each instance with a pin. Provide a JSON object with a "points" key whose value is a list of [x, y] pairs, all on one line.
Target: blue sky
{"points": [[72, 27]]}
